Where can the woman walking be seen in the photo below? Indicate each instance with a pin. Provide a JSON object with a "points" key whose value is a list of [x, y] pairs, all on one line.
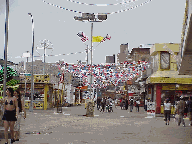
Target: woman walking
{"points": [[21, 108], [167, 111], [137, 105], [9, 117]]}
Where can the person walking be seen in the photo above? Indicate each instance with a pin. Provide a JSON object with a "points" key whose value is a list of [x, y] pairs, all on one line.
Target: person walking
{"points": [[116, 101], [126, 104], [131, 104], [180, 111], [167, 111], [21, 107], [189, 105], [98, 103], [137, 105], [11, 112], [102, 104], [145, 104]]}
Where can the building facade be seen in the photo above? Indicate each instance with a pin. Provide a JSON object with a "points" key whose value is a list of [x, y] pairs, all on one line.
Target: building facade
{"points": [[110, 59], [142, 54], [165, 81], [123, 55]]}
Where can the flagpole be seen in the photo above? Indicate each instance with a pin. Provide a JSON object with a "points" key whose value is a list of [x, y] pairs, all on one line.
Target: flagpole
{"points": [[91, 56], [87, 54]]}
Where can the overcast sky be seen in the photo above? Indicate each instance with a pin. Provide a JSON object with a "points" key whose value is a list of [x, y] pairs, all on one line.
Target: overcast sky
{"points": [[159, 21]]}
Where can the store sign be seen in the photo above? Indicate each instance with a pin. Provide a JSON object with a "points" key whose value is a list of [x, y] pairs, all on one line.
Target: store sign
{"points": [[172, 87], [170, 80]]}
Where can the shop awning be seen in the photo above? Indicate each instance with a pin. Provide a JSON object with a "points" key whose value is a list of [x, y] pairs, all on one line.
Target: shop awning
{"points": [[169, 77]]}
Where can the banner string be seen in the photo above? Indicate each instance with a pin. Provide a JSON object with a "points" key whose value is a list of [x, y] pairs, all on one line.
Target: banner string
{"points": [[126, 2], [100, 13]]}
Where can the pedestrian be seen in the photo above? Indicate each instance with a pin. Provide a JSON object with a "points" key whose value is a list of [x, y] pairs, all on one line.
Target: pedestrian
{"points": [[21, 106], [137, 105], [190, 110], [116, 103], [98, 103], [180, 111], [11, 112], [146, 104], [131, 104], [126, 104], [102, 104], [167, 111]]}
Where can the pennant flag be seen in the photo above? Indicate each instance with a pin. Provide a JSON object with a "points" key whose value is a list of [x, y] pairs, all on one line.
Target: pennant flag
{"points": [[97, 38], [107, 37], [82, 36]]}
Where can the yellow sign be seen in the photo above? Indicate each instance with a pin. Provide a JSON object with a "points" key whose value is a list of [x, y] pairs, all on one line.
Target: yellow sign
{"points": [[172, 87], [170, 80]]}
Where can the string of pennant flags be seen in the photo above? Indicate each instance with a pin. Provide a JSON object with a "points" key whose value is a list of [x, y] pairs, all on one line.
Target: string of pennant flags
{"points": [[106, 74], [125, 2], [75, 11]]}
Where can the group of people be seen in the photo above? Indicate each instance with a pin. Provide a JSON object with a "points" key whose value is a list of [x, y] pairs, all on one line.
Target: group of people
{"points": [[102, 102], [181, 108], [124, 103], [13, 106]]}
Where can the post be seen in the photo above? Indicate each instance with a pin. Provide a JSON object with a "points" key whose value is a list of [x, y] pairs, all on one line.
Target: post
{"points": [[46, 88], [32, 82], [87, 54], [91, 55], [6, 46], [44, 61]]}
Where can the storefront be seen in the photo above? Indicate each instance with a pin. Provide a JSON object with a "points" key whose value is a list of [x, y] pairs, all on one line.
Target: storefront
{"points": [[169, 85]]}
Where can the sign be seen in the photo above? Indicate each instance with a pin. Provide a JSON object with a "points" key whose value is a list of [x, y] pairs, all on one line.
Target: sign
{"points": [[172, 87], [170, 80], [151, 109]]}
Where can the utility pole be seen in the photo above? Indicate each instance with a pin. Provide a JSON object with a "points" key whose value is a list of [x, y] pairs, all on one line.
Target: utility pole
{"points": [[91, 57], [87, 50]]}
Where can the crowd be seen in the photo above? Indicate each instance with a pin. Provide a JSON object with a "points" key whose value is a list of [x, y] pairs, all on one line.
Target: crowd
{"points": [[182, 107], [102, 103], [13, 108]]}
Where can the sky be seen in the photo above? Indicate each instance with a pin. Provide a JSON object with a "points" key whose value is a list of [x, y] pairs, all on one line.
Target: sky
{"points": [[159, 21]]}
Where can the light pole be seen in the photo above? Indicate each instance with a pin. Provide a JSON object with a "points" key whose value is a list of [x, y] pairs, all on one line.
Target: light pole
{"points": [[91, 17], [27, 55], [5, 48], [32, 82], [91, 57]]}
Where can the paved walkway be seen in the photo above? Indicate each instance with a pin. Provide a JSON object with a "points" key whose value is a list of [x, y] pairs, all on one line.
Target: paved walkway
{"points": [[121, 126]]}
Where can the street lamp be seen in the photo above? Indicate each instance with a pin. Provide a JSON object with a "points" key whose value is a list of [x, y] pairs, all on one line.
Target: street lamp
{"points": [[32, 82], [5, 48], [91, 17]]}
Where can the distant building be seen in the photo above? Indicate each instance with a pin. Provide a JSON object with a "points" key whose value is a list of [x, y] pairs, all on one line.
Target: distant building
{"points": [[123, 55], [140, 53], [110, 59]]}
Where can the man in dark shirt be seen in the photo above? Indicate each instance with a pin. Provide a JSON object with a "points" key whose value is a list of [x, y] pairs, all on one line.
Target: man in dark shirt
{"points": [[189, 105], [180, 111], [98, 103]]}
